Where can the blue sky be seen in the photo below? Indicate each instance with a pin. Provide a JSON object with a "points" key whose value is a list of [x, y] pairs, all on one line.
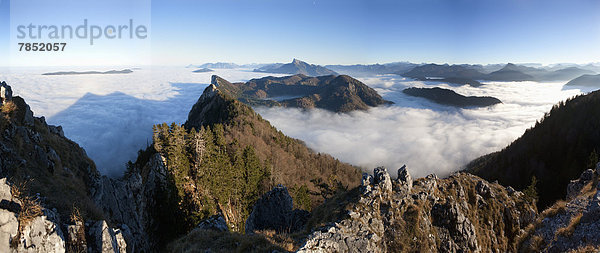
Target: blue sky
{"points": [[327, 32]]}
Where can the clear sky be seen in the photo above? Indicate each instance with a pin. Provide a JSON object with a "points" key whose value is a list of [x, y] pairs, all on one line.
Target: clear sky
{"points": [[323, 31]]}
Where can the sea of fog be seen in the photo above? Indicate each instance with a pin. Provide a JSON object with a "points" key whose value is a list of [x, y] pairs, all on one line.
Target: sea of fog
{"points": [[111, 116]]}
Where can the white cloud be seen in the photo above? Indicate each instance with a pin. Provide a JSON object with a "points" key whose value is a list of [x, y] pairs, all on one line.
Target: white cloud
{"points": [[111, 116], [427, 137]]}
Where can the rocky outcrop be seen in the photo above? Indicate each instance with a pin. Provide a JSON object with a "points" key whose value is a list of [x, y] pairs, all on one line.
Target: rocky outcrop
{"points": [[404, 181], [5, 92], [215, 222], [570, 225], [576, 185], [462, 213], [40, 234], [106, 239], [44, 233], [275, 211]]}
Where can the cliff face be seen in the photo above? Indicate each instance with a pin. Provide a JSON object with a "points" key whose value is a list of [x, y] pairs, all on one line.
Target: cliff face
{"points": [[132, 202], [45, 204]]}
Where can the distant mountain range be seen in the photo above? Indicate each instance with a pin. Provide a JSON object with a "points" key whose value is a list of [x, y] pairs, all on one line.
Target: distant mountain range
{"points": [[124, 71], [444, 71], [510, 72], [335, 93], [453, 80], [374, 69], [296, 67], [456, 73], [449, 97], [226, 65], [585, 81]]}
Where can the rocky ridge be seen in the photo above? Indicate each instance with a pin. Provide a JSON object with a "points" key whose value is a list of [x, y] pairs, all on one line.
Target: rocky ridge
{"points": [[44, 233], [571, 224], [456, 214]]}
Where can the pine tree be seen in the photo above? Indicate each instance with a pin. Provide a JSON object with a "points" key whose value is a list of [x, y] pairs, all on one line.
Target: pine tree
{"points": [[530, 192], [592, 160]]}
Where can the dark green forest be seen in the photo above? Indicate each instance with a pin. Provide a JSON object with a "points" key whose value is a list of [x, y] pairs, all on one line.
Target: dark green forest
{"points": [[557, 149]]}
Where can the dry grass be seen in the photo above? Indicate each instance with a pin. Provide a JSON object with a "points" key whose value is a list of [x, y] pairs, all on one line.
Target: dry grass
{"points": [[214, 241], [333, 209], [30, 209], [569, 229], [559, 206], [30, 206], [536, 243], [79, 243], [9, 108], [586, 249], [518, 243], [281, 240]]}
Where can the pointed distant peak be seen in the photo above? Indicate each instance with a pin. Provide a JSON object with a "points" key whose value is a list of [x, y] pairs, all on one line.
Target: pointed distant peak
{"points": [[511, 66], [296, 61]]}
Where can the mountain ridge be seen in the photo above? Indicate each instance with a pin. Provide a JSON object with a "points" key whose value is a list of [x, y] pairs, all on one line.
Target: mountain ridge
{"points": [[449, 97], [335, 93], [297, 67]]}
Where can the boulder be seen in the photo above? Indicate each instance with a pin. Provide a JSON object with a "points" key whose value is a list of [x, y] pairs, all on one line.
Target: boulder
{"points": [[275, 211], [42, 234]]}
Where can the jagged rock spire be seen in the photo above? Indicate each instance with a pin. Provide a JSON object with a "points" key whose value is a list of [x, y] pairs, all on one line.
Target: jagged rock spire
{"points": [[5, 92]]}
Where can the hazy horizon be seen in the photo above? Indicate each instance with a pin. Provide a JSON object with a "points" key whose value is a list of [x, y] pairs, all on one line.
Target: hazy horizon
{"points": [[319, 32], [290, 60]]}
